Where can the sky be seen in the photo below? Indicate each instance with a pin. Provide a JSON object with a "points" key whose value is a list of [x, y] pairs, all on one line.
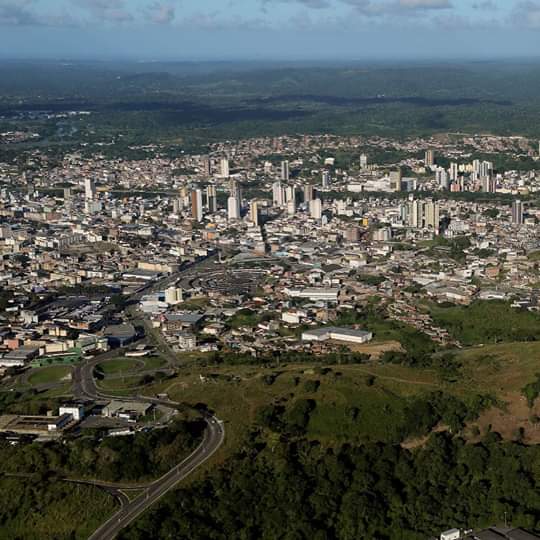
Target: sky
{"points": [[269, 29]]}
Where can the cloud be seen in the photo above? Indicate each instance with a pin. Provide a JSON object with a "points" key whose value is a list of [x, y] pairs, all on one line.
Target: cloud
{"points": [[486, 5], [527, 13], [160, 13], [311, 4], [113, 11], [397, 7], [17, 13], [424, 4]]}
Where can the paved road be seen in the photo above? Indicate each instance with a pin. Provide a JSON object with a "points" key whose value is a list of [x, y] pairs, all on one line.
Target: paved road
{"points": [[213, 438], [84, 386]]}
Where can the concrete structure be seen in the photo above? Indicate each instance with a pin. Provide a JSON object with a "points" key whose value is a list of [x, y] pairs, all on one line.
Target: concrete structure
{"points": [[196, 205], [126, 410], [315, 208], [334, 333]]}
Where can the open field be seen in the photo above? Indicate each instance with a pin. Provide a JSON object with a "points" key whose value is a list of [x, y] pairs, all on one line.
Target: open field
{"points": [[487, 322], [49, 375], [237, 393], [503, 370], [121, 365], [364, 402]]}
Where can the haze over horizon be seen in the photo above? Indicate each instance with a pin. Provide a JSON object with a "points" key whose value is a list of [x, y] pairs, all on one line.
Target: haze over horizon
{"points": [[269, 29]]}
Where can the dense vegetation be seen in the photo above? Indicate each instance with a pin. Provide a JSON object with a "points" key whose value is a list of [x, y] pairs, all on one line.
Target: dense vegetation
{"points": [[131, 458], [168, 103], [35, 510], [306, 491], [410, 417]]}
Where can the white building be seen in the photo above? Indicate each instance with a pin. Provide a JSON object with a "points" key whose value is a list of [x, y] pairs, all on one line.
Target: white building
{"points": [[314, 293], [76, 411], [337, 334], [315, 208], [233, 208]]}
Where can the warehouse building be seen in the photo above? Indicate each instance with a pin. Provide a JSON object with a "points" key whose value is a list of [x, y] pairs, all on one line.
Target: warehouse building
{"points": [[334, 333]]}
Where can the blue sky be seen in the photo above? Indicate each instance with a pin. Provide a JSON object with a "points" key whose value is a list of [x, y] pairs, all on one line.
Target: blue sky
{"points": [[280, 29]]}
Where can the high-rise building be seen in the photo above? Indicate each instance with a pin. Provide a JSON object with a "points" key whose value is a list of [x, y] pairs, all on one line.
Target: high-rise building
{"points": [[224, 168], [233, 208], [89, 189], [67, 194], [315, 208], [254, 213], [431, 218], [285, 171], [290, 194], [206, 165], [309, 193], [326, 179], [454, 171], [517, 212], [486, 169], [415, 213], [196, 205], [395, 179], [429, 159], [235, 189], [476, 166], [363, 161], [442, 178], [291, 207], [211, 199], [489, 184], [277, 194]]}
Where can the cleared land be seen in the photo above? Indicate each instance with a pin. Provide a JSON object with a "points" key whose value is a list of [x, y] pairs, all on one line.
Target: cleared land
{"points": [[49, 375]]}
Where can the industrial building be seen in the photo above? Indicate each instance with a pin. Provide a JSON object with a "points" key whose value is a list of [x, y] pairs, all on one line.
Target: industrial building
{"points": [[334, 333]]}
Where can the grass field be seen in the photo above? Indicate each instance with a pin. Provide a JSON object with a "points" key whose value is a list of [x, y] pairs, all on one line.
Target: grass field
{"points": [[120, 383], [121, 365], [49, 375], [487, 322], [236, 393]]}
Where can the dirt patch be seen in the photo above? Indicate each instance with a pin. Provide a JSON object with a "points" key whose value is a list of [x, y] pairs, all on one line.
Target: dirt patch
{"points": [[508, 420], [375, 349]]}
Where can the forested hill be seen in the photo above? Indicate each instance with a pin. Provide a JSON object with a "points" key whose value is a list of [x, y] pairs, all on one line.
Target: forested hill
{"points": [[301, 490]]}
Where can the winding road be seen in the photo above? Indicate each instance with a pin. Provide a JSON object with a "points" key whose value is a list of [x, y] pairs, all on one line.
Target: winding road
{"points": [[84, 387]]}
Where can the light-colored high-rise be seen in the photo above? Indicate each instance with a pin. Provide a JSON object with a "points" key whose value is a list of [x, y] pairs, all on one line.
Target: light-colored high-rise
{"points": [[224, 168], [315, 208], [196, 205], [429, 159], [309, 193], [326, 179], [233, 208], [254, 213], [363, 161], [89, 189], [277, 194]]}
